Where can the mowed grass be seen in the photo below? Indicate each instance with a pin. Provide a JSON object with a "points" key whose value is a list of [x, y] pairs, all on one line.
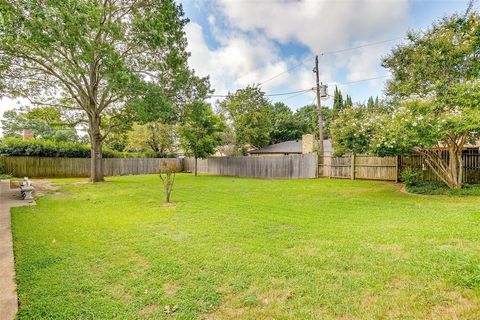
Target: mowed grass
{"points": [[236, 248]]}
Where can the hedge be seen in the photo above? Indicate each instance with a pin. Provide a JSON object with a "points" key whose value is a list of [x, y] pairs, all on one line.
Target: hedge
{"points": [[47, 148]]}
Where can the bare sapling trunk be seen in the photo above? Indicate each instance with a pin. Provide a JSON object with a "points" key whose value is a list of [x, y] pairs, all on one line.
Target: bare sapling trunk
{"points": [[96, 167], [167, 175]]}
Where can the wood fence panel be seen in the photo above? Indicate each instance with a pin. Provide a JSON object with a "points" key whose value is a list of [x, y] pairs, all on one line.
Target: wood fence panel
{"points": [[286, 167], [341, 167], [40, 167], [375, 168]]}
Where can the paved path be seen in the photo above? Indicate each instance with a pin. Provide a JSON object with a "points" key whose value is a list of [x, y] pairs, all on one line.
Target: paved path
{"points": [[8, 295]]}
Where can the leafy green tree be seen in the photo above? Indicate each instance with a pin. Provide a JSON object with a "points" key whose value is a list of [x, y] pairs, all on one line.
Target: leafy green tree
{"points": [[307, 116], [100, 57], [45, 123], [202, 131], [249, 113], [436, 92], [285, 126], [156, 137]]}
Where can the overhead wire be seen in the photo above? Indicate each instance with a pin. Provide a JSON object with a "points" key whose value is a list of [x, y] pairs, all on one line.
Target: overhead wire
{"points": [[321, 54]]}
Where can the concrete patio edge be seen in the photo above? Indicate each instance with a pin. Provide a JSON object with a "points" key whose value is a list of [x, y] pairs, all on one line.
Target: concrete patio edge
{"points": [[9, 198]]}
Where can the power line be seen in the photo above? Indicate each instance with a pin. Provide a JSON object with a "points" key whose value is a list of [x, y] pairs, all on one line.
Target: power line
{"points": [[328, 53], [269, 95], [361, 46], [357, 81], [298, 94]]}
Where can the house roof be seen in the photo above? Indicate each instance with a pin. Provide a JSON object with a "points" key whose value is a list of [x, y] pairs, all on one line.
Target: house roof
{"points": [[292, 146]]}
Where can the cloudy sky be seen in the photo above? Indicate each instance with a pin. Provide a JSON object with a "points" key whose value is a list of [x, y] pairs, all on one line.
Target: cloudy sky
{"points": [[273, 42], [240, 42]]}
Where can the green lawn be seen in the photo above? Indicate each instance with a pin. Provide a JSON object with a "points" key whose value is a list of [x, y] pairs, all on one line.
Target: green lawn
{"points": [[247, 249]]}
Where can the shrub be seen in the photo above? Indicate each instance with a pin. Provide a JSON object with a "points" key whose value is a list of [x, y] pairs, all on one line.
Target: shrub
{"points": [[47, 148], [437, 188], [411, 177]]}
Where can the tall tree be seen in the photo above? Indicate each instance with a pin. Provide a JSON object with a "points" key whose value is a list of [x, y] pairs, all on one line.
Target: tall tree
{"points": [[285, 126], [370, 103], [435, 83], [307, 116], [249, 113], [338, 103], [201, 132], [348, 102], [98, 56]]}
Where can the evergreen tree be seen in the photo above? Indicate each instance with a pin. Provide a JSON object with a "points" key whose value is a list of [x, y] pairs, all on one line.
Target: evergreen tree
{"points": [[337, 101], [371, 103], [348, 102]]}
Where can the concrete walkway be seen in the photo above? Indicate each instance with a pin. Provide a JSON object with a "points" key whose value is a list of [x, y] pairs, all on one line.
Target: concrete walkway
{"points": [[8, 295]]}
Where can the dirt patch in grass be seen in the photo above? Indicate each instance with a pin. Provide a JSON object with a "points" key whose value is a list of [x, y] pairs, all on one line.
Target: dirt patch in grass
{"points": [[118, 292], [170, 288], [43, 187], [148, 310], [456, 306]]}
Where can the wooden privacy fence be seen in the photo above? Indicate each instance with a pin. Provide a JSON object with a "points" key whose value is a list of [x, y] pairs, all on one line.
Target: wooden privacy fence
{"points": [[287, 167], [471, 167], [359, 167], [79, 167]]}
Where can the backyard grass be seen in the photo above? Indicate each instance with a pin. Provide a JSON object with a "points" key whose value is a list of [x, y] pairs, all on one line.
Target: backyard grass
{"points": [[246, 249]]}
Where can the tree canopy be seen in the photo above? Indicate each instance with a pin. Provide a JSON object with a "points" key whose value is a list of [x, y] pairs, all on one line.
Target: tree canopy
{"points": [[201, 132], [248, 111], [433, 100], [45, 122], [101, 57]]}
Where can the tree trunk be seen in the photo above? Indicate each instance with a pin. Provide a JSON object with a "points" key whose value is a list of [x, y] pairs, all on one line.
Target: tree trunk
{"points": [[196, 166], [449, 171], [96, 167]]}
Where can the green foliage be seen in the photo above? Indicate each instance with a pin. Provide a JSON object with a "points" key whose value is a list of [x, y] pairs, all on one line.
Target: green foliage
{"points": [[352, 130], [48, 148], [249, 113], [202, 131], [113, 60], [285, 125], [436, 188], [307, 116], [338, 104], [45, 123], [435, 85], [154, 137], [411, 177]]}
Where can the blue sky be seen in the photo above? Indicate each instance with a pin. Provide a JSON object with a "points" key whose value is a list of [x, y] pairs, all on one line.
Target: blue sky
{"points": [[244, 42]]}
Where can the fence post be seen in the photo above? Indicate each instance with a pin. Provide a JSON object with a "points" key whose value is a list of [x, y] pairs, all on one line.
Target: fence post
{"points": [[397, 163], [353, 167]]}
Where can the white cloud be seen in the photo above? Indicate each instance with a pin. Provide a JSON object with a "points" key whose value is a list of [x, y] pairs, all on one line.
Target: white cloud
{"points": [[250, 33], [319, 24], [238, 61]]}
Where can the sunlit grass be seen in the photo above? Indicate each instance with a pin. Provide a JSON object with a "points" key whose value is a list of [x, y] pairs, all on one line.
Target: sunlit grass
{"points": [[249, 249]]}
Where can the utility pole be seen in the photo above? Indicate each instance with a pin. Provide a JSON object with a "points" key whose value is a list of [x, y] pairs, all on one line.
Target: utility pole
{"points": [[319, 110]]}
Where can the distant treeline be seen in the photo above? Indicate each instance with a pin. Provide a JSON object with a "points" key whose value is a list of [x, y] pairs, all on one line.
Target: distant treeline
{"points": [[47, 148]]}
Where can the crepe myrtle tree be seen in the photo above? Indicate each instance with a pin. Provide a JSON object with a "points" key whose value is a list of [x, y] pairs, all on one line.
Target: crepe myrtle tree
{"points": [[436, 90], [108, 58]]}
